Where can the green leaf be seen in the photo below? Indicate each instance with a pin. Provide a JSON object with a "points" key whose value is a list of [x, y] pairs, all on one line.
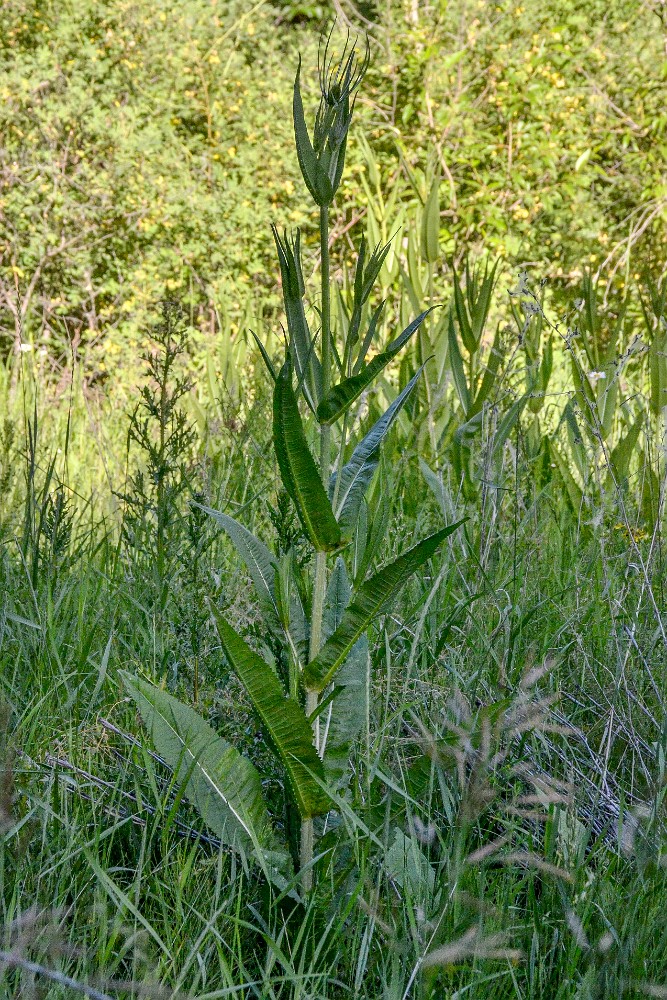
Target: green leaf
{"points": [[621, 455], [302, 346], [368, 339], [507, 423], [409, 867], [368, 602], [224, 787], [358, 472], [316, 178], [259, 561], [490, 374], [344, 718], [430, 230], [482, 303], [456, 362], [265, 357], [340, 398], [298, 470], [467, 335], [283, 719], [573, 491], [607, 404]]}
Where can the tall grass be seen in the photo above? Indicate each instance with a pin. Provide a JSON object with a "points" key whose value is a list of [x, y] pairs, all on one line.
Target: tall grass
{"points": [[485, 815]]}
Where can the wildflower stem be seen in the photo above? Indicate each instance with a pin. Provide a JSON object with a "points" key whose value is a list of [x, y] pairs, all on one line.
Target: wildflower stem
{"points": [[320, 579]]}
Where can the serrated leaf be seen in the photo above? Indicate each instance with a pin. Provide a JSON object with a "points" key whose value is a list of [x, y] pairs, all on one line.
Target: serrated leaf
{"points": [[285, 724], [259, 561], [368, 602], [341, 397], [224, 787], [345, 716], [358, 472], [298, 470], [316, 178]]}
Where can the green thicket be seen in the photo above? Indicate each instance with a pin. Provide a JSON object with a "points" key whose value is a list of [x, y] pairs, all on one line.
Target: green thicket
{"points": [[144, 150]]}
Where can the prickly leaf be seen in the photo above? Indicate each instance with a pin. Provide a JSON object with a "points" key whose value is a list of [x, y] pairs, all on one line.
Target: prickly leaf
{"points": [[341, 397], [283, 719], [298, 470], [367, 603]]}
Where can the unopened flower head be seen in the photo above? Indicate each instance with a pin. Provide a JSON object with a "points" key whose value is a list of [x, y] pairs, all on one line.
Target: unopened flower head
{"points": [[322, 160]]}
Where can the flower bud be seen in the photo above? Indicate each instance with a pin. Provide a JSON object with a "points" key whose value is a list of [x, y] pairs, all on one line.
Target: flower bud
{"points": [[322, 159]]}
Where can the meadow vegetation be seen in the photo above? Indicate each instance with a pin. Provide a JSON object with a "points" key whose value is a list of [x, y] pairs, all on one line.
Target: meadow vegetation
{"points": [[332, 621]]}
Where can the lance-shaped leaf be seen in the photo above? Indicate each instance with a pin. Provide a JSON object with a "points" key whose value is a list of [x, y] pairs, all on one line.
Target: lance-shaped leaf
{"points": [[490, 374], [224, 787], [430, 229], [345, 716], [265, 575], [358, 472], [480, 301], [259, 561], [308, 367], [340, 398], [467, 335], [365, 276], [621, 455], [573, 492], [298, 470], [368, 339], [368, 602], [316, 178], [507, 423], [456, 362], [284, 722], [265, 357]]}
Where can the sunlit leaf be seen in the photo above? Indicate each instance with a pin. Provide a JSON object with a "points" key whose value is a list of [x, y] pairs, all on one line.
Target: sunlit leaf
{"points": [[224, 787], [367, 603], [283, 719], [340, 398], [298, 470]]}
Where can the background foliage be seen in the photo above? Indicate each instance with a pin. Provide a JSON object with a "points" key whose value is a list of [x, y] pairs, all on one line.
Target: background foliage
{"points": [[145, 151]]}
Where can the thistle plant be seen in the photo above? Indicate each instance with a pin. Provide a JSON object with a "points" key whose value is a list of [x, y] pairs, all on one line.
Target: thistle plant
{"points": [[310, 708]]}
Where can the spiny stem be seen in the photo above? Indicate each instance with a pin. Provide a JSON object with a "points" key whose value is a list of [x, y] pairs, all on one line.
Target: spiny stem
{"points": [[320, 579]]}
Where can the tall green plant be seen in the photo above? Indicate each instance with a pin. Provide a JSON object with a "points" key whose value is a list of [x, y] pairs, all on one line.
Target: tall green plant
{"points": [[306, 711]]}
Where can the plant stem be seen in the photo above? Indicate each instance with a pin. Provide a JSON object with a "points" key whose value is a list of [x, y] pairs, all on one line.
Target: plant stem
{"points": [[320, 579]]}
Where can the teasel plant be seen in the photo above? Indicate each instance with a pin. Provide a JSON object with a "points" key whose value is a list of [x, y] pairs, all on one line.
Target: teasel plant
{"points": [[310, 690]]}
